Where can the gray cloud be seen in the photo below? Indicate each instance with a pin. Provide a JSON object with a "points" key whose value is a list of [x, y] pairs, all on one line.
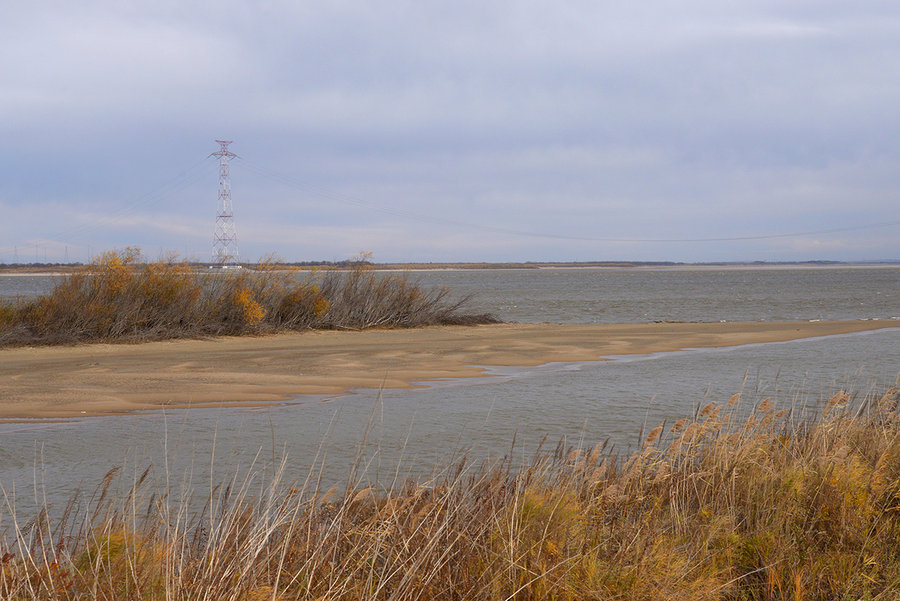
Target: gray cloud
{"points": [[405, 128]]}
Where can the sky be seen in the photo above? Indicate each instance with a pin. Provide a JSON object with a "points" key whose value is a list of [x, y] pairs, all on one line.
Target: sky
{"points": [[698, 130]]}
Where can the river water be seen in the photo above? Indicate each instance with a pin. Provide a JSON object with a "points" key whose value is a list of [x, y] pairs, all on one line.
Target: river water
{"points": [[412, 431]]}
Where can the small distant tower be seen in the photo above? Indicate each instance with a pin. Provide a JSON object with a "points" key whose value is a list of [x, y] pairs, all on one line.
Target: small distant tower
{"points": [[225, 250]]}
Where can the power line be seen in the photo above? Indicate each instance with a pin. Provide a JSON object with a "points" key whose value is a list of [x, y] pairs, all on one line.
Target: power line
{"points": [[165, 190], [347, 199]]}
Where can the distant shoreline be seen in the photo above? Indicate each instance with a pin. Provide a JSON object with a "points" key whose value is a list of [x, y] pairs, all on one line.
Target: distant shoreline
{"points": [[62, 270]]}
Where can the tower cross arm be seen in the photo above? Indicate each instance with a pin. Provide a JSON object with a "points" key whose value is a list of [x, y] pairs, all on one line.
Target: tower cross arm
{"points": [[223, 151]]}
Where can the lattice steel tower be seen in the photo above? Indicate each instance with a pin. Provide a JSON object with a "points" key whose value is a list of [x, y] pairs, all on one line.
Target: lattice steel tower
{"points": [[225, 250]]}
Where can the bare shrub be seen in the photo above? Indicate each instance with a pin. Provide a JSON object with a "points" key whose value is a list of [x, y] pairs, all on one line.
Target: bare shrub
{"points": [[118, 297]]}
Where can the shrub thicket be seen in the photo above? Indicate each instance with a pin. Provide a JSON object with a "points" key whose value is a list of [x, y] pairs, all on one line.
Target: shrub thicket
{"points": [[119, 298], [776, 507]]}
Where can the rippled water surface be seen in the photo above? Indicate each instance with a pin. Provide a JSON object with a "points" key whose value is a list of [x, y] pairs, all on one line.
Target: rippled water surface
{"points": [[636, 295], [411, 431], [639, 294]]}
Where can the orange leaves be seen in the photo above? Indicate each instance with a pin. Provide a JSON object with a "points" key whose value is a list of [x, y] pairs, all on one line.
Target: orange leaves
{"points": [[113, 271], [118, 297], [166, 283], [250, 310], [321, 306], [302, 305]]}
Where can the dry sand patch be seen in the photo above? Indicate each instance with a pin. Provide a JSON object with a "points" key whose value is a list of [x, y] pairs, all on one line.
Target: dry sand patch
{"points": [[48, 382]]}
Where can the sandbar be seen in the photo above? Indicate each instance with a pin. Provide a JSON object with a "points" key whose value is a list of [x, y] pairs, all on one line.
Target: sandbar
{"points": [[100, 379]]}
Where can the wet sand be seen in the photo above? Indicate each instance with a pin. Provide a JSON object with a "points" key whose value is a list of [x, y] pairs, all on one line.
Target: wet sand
{"points": [[57, 382]]}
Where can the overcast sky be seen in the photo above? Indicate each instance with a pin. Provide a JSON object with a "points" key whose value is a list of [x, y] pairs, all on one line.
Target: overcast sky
{"points": [[454, 131]]}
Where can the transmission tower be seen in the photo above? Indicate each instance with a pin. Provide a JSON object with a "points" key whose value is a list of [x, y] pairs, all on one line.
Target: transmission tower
{"points": [[225, 250]]}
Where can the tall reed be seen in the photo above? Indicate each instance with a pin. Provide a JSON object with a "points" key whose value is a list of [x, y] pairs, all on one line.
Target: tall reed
{"points": [[117, 297], [779, 505]]}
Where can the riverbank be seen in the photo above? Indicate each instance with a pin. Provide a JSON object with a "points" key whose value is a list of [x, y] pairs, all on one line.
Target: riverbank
{"points": [[98, 379], [745, 500]]}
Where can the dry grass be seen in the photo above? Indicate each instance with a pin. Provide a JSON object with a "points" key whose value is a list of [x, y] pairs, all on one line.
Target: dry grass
{"points": [[119, 298], [777, 506]]}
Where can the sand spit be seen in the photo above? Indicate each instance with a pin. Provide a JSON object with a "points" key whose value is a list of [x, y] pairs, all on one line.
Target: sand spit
{"points": [[95, 379]]}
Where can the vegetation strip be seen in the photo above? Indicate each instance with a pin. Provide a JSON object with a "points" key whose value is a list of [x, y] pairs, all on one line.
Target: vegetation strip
{"points": [[744, 500], [118, 298]]}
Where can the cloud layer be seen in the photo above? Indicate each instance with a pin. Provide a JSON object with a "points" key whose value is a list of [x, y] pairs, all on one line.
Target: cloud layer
{"points": [[464, 131]]}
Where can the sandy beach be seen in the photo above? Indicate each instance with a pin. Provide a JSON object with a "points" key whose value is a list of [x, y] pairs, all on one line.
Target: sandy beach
{"points": [[94, 379]]}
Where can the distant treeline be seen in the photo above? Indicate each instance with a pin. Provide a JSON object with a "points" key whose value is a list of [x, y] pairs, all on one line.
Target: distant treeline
{"points": [[349, 264], [353, 263]]}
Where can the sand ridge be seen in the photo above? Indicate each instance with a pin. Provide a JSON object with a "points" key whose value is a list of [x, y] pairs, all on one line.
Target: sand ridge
{"points": [[95, 379]]}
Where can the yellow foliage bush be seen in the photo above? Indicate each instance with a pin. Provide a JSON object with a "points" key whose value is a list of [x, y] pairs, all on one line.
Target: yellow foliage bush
{"points": [[164, 283], [302, 305], [113, 271], [251, 311], [117, 297]]}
